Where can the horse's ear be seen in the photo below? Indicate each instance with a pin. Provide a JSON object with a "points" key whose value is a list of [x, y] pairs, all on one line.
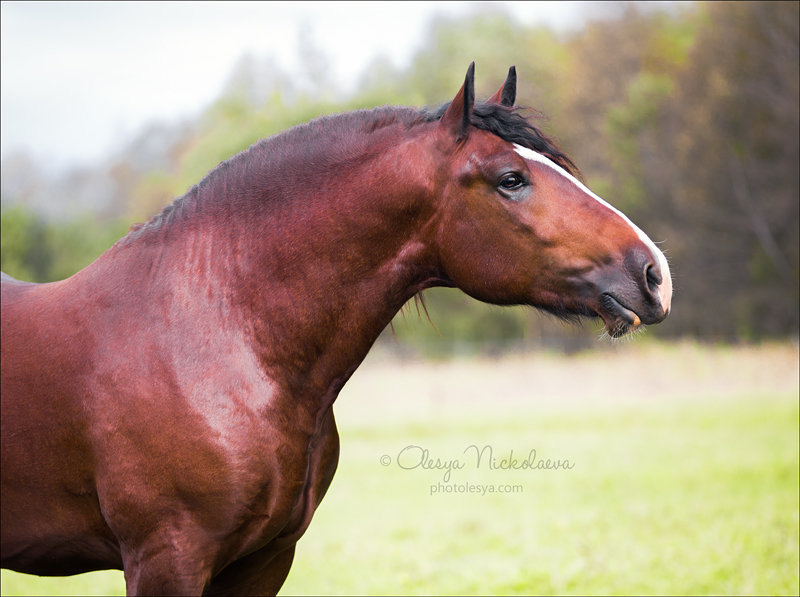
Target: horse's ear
{"points": [[507, 94], [457, 117]]}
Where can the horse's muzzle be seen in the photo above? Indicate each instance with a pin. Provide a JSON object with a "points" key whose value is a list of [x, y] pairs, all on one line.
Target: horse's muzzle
{"points": [[637, 293]]}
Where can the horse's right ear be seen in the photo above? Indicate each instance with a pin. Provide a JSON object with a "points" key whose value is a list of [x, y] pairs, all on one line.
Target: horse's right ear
{"points": [[456, 118], [507, 94]]}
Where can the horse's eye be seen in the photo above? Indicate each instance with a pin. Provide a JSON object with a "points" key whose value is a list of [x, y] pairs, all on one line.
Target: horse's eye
{"points": [[511, 182]]}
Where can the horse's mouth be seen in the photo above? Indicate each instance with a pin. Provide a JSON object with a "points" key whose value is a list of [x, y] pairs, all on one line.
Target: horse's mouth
{"points": [[618, 319]]}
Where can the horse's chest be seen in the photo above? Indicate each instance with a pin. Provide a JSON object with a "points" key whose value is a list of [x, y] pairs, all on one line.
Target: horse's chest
{"points": [[294, 478]]}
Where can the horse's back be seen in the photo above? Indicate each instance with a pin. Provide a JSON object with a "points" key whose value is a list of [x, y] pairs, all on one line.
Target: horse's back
{"points": [[10, 285], [16, 317], [14, 293], [42, 347], [24, 305]]}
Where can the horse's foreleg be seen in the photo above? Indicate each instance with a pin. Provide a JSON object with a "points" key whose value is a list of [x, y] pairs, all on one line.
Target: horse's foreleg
{"points": [[167, 565], [260, 573]]}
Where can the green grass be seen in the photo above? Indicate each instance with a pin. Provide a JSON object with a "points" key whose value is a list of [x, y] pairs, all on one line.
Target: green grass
{"points": [[685, 479]]}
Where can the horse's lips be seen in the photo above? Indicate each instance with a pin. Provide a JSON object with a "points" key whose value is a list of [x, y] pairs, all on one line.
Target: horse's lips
{"points": [[618, 318]]}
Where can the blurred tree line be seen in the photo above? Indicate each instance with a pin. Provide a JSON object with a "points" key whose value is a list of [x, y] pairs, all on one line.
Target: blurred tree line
{"points": [[687, 120]]}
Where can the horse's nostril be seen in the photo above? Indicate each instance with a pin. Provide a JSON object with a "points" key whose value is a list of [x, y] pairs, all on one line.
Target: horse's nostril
{"points": [[653, 277]]}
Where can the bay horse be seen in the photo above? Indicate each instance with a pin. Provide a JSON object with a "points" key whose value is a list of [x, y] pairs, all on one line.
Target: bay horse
{"points": [[167, 410]]}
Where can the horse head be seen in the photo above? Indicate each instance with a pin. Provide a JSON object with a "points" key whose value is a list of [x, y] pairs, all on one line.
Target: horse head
{"points": [[517, 226]]}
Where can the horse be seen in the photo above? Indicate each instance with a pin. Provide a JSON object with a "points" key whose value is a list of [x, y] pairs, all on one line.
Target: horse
{"points": [[167, 410]]}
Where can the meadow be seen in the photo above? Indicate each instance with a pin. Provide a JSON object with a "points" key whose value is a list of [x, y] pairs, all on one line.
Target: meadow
{"points": [[637, 468]]}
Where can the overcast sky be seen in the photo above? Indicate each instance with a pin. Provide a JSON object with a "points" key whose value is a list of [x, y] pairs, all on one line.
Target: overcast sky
{"points": [[77, 76]]}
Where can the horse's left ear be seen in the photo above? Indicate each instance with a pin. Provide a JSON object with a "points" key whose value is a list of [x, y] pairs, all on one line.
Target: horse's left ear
{"points": [[507, 94], [457, 117]]}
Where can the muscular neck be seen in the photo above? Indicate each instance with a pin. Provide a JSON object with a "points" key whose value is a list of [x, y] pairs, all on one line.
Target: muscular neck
{"points": [[333, 271], [307, 272]]}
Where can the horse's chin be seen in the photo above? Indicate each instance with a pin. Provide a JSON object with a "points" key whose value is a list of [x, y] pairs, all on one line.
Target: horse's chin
{"points": [[618, 319]]}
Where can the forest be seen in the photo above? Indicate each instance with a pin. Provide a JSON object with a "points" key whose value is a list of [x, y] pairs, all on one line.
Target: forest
{"points": [[687, 120]]}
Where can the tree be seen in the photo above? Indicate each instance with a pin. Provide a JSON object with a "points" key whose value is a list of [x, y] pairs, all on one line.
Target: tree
{"points": [[721, 164]]}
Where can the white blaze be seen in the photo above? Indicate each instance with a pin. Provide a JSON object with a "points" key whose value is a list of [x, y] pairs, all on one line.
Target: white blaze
{"points": [[665, 289]]}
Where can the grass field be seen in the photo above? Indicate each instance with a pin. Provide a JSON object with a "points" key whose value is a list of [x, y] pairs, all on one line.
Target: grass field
{"points": [[677, 473]]}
